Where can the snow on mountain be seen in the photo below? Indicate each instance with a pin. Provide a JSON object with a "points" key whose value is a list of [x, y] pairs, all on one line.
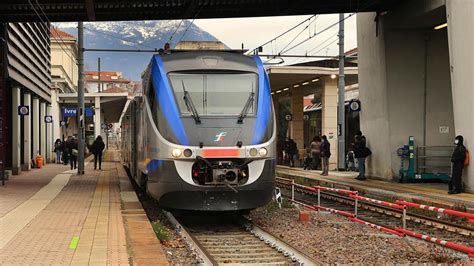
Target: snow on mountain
{"points": [[147, 34]]}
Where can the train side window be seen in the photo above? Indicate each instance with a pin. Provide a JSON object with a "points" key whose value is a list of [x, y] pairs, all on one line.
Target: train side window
{"points": [[151, 97]]}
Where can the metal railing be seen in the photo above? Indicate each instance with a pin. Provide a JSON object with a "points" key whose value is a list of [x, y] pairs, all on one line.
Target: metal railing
{"points": [[433, 159]]}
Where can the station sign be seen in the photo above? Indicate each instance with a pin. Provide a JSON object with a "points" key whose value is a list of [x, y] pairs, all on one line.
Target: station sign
{"points": [[63, 123], [72, 112], [23, 110], [48, 119], [354, 105], [288, 117]]}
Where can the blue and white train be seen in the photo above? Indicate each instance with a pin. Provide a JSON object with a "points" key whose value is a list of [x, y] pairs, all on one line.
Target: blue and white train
{"points": [[202, 135]]}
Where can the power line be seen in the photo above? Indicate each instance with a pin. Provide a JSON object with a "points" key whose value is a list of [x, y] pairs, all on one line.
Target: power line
{"points": [[314, 48], [292, 28], [307, 26], [187, 28], [318, 33], [42, 21], [176, 30]]}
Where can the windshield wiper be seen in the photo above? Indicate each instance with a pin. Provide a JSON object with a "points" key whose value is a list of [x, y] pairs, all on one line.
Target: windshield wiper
{"points": [[247, 106], [190, 105]]}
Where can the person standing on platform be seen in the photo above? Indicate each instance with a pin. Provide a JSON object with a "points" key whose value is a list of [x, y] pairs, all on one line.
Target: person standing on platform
{"points": [[316, 153], [97, 148], [73, 152], [291, 149], [325, 154], [58, 150], [360, 152], [457, 160]]}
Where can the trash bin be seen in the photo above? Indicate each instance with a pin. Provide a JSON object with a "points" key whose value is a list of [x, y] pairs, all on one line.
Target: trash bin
{"points": [[39, 161]]}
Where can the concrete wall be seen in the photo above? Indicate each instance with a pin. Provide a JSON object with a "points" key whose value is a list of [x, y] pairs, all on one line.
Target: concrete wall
{"points": [[397, 69], [461, 43]]}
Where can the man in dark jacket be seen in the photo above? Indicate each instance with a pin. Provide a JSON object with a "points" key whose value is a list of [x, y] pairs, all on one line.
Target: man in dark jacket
{"points": [[291, 149], [360, 147], [97, 147], [325, 154], [457, 159]]}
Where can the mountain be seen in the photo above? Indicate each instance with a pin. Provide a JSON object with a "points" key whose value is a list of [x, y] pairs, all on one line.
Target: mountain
{"points": [[148, 34]]}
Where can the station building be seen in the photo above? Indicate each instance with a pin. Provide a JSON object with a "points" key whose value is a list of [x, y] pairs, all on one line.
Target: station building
{"points": [[25, 78], [316, 84]]}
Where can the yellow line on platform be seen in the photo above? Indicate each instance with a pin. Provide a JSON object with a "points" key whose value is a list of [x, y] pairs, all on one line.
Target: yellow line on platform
{"points": [[92, 249]]}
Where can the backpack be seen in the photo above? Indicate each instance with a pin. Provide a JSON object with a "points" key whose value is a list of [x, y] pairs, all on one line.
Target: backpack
{"points": [[367, 152], [466, 161]]}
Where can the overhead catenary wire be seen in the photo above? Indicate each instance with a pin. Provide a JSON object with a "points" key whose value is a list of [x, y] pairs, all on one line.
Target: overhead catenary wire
{"points": [[297, 35], [189, 25], [317, 33], [282, 34], [176, 30], [42, 21]]}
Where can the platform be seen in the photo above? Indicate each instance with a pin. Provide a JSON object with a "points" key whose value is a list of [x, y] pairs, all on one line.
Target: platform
{"points": [[52, 216], [428, 193]]}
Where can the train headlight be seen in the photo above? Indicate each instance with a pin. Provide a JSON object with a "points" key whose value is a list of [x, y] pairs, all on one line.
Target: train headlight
{"points": [[176, 152], [262, 152], [253, 152], [187, 153]]}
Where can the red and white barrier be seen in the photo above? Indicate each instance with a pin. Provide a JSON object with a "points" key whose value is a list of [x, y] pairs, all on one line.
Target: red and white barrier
{"points": [[348, 214], [381, 228], [337, 190], [448, 244], [436, 209], [384, 203], [305, 205]]}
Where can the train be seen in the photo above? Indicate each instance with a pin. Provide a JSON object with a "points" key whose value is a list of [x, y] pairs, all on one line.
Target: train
{"points": [[201, 135]]}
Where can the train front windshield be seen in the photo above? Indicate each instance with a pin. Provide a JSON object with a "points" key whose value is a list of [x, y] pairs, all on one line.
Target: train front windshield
{"points": [[215, 94]]}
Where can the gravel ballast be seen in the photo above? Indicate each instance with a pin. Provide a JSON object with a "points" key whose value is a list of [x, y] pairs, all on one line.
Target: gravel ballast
{"points": [[330, 238]]}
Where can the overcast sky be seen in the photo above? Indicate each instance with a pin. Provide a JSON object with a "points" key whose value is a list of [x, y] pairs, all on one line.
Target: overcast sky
{"points": [[256, 31]]}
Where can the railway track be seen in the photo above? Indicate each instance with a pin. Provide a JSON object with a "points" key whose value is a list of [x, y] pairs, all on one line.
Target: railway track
{"points": [[230, 240], [385, 216]]}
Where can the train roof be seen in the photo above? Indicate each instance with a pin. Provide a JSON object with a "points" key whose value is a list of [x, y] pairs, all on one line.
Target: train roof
{"points": [[208, 60]]}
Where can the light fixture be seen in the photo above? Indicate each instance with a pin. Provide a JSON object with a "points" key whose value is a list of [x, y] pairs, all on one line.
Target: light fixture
{"points": [[333, 76], [278, 91], [253, 152], [285, 89], [444, 25], [262, 152], [314, 80], [272, 93], [296, 85], [187, 152], [176, 153], [305, 83]]}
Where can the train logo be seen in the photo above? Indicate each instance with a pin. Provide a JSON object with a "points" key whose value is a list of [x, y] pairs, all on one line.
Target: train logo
{"points": [[220, 137]]}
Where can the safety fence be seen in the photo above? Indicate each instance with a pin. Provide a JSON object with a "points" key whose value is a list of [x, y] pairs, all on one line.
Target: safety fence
{"points": [[398, 205]]}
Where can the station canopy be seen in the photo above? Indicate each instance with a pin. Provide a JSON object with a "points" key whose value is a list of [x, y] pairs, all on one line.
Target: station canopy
{"points": [[119, 10], [111, 104]]}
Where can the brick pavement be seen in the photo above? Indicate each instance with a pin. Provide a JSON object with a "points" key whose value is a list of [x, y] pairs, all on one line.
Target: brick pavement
{"points": [[21, 187], [66, 206], [46, 239]]}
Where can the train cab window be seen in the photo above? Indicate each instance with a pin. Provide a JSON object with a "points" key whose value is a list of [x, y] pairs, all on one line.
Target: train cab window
{"points": [[215, 94]]}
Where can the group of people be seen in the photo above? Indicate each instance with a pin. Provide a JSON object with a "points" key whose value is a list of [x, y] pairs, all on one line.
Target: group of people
{"points": [[320, 150], [319, 153], [67, 151]]}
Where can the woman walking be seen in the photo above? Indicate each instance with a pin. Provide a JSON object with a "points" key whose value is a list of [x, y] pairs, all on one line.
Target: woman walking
{"points": [[97, 147]]}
